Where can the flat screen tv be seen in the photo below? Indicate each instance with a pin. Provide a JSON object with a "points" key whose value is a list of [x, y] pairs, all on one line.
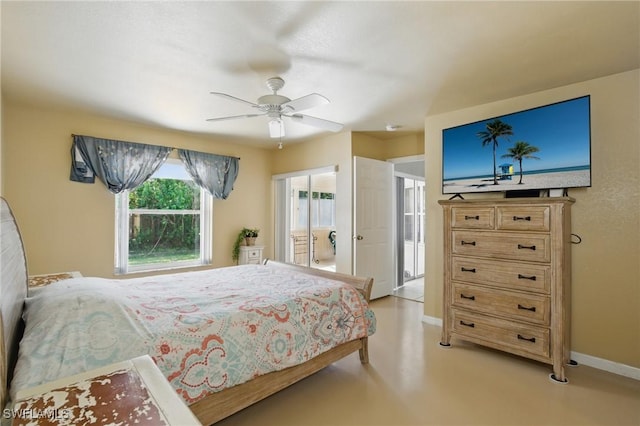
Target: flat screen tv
{"points": [[547, 147]]}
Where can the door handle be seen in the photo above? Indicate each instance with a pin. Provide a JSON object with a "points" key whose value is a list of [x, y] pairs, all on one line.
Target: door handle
{"points": [[358, 237]]}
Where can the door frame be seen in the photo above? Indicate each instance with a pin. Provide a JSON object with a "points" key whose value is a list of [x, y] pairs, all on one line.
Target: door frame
{"points": [[400, 249], [398, 238], [282, 202]]}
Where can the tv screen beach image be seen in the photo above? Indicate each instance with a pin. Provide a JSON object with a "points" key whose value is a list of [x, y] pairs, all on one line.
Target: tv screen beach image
{"points": [[542, 148]]}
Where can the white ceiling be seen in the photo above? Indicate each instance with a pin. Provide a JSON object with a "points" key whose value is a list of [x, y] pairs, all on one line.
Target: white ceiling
{"points": [[378, 62]]}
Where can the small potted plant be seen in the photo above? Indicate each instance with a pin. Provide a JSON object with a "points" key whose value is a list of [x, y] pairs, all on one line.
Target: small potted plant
{"points": [[248, 236]]}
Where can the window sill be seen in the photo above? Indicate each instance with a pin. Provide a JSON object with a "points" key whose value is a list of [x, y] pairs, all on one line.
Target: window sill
{"points": [[161, 267]]}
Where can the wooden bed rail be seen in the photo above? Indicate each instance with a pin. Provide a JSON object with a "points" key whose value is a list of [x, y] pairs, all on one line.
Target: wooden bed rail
{"points": [[229, 401], [363, 285]]}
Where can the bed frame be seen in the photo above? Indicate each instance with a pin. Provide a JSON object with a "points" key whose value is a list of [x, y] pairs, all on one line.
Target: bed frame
{"points": [[214, 407]]}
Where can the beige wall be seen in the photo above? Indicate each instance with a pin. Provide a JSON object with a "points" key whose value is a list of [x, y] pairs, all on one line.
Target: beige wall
{"points": [[364, 145], [70, 226], [402, 145], [606, 265], [405, 145]]}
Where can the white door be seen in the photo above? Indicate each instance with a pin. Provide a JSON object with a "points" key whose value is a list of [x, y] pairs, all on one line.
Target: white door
{"points": [[373, 246]]}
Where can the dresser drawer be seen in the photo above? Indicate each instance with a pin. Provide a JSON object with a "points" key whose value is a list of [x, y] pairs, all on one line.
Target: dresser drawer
{"points": [[498, 273], [524, 218], [254, 254], [500, 334], [250, 255], [530, 247], [473, 217], [518, 306]]}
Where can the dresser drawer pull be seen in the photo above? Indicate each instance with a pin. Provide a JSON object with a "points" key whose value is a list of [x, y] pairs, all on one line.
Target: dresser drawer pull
{"points": [[517, 218], [467, 324], [468, 243], [520, 247], [528, 339], [525, 277], [463, 269], [524, 308], [467, 297], [472, 217]]}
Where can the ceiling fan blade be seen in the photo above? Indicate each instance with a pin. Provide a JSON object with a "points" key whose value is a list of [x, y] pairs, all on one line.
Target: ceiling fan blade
{"points": [[233, 117], [306, 102], [317, 122], [233, 98], [276, 128]]}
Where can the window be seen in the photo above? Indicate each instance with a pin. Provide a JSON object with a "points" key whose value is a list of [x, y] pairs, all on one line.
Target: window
{"points": [[323, 207], [164, 223]]}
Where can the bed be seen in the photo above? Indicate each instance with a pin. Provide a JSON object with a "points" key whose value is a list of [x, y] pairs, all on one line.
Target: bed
{"points": [[224, 338]]}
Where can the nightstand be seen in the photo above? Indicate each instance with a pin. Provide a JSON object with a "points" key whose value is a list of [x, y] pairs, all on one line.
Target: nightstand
{"points": [[128, 392], [250, 255]]}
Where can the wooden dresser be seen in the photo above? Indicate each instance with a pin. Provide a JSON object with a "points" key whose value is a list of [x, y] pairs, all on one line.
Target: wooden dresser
{"points": [[507, 276]]}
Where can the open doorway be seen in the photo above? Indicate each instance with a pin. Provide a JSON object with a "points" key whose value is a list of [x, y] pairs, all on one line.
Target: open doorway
{"points": [[306, 219], [411, 215], [410, 229]]}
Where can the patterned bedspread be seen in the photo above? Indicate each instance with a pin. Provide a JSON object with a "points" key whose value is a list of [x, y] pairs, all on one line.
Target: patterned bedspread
{"points": [[206, 330]]}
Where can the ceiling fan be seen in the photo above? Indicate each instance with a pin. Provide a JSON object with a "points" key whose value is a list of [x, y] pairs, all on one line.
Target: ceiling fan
{"points": [[277, 107]]}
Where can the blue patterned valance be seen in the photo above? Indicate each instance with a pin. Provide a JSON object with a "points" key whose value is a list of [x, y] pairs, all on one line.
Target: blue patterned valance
{"points": [[124, 165], [119, 165], [215, 173]]}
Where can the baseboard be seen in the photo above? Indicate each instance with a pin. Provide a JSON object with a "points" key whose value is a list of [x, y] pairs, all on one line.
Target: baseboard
{"points": [[432, 320], [581, 359], [606, 365]]}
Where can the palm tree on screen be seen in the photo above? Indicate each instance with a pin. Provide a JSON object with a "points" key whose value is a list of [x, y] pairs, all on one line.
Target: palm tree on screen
{"points": [[495, 129], [520, 150]]}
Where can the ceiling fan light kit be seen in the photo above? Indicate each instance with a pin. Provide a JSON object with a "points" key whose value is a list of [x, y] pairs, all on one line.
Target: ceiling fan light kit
{"points": [[277, 107], [276, 128]]}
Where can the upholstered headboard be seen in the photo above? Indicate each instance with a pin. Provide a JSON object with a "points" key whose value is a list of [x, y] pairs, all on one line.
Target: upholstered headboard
{"points": [[13, 290]]}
